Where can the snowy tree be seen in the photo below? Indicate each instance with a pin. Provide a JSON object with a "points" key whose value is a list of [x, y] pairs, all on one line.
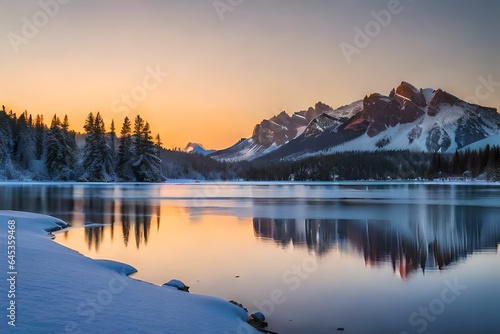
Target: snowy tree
{"points": [[6, 144], [69, 144], [25, 154], [40, 133], [125, 153], [98, 165], [54, 156], [60, 155], [147, 166], [112, 140]]}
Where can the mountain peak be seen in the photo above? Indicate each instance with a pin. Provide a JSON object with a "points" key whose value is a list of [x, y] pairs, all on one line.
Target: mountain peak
{"points": [[407, 91], [410, 118], [197, 148]]}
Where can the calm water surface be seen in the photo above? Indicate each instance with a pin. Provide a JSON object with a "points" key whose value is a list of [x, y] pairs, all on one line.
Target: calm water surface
{"points": [[369, 257]]}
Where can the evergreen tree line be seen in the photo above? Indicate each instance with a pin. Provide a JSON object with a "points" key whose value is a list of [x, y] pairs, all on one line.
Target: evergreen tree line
{"points": [[182, 165], [23, 144], [381, 165], [29, 149], [136, 159], [484, 164]]}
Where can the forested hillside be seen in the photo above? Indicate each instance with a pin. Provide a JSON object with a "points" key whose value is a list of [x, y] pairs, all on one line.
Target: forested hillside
{"points": [[30, 149]]}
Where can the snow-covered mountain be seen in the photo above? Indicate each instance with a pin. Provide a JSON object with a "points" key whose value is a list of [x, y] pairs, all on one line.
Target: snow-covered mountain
{"points": [[481, 144], [271, 134], [197, 148], [422, 120]]}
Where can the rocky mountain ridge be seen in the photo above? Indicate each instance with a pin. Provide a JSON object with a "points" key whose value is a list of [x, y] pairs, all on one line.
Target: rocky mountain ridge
{"points": [[425, 120]]}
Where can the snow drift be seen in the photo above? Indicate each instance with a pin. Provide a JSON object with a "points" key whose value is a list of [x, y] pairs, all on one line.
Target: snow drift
{"points": [[60, 291]]}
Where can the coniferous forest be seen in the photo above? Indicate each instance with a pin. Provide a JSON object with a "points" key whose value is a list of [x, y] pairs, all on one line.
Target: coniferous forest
{"points": [[382, 165], [31, 149]]}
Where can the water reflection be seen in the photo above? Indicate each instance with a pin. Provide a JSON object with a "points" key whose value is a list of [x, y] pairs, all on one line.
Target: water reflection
{"points": [[132, 214], [236, 241], [47, 199], [440, 238], [415, 228], [99, 208]]}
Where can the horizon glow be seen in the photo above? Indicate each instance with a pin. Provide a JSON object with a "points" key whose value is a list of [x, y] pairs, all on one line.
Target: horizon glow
{"points": [[208, 71]]}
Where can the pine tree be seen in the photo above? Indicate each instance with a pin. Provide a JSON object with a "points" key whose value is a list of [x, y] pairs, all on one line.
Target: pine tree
{"points": [[6, 145], [26, 149], [125, 154], [54, 159], [158, 142], [147, 164], [112, 140], [40, 136], [61, 150], [97, 160], [69, 144]]}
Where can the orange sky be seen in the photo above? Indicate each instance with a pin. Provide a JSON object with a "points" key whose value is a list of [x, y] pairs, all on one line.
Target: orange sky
{"points": [[225, 75]]}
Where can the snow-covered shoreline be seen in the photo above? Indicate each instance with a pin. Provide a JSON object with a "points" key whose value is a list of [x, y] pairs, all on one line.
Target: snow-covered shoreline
{"points": [[58, 290], [445, 180]]}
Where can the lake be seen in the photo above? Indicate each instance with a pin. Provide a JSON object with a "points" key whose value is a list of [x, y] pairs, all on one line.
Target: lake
{"points": [[368, 257]]}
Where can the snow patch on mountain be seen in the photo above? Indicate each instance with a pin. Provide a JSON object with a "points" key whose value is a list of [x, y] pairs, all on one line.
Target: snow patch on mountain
{"points": [[481, 144], [300, 130], [197, 148], [410, 136], [428, 94], [245, 149]]}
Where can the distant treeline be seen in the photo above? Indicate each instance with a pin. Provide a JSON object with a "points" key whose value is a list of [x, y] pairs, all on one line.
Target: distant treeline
{"points": [[484, 164], [381, 165], [181, 165]]}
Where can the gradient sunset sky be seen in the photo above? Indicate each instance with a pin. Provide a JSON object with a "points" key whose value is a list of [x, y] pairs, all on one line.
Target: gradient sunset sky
{"points": [[225, 65]]}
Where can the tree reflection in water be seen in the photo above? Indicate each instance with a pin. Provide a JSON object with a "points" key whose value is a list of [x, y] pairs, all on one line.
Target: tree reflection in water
{"points": [[108, 211], [95, 207]]}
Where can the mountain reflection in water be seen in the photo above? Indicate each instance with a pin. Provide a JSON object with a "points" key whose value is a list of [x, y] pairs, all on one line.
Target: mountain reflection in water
{"points": [[412, 236], [408, 245]]}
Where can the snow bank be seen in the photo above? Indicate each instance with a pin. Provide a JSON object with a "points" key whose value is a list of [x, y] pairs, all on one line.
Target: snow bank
{"points": [[60, 291], [118, 267]]}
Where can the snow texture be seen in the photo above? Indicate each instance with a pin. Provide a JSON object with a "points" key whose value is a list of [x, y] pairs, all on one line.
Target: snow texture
{"points": [[60, 291], [398, 135], [197, 148], [481, 144]]}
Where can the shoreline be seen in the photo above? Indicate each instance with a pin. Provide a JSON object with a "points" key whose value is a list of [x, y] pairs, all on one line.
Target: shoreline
{"points": [[259, 182], [62, 291]]}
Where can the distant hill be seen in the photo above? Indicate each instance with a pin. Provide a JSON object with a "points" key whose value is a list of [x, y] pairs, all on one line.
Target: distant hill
{"points": [[197, 148]]}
